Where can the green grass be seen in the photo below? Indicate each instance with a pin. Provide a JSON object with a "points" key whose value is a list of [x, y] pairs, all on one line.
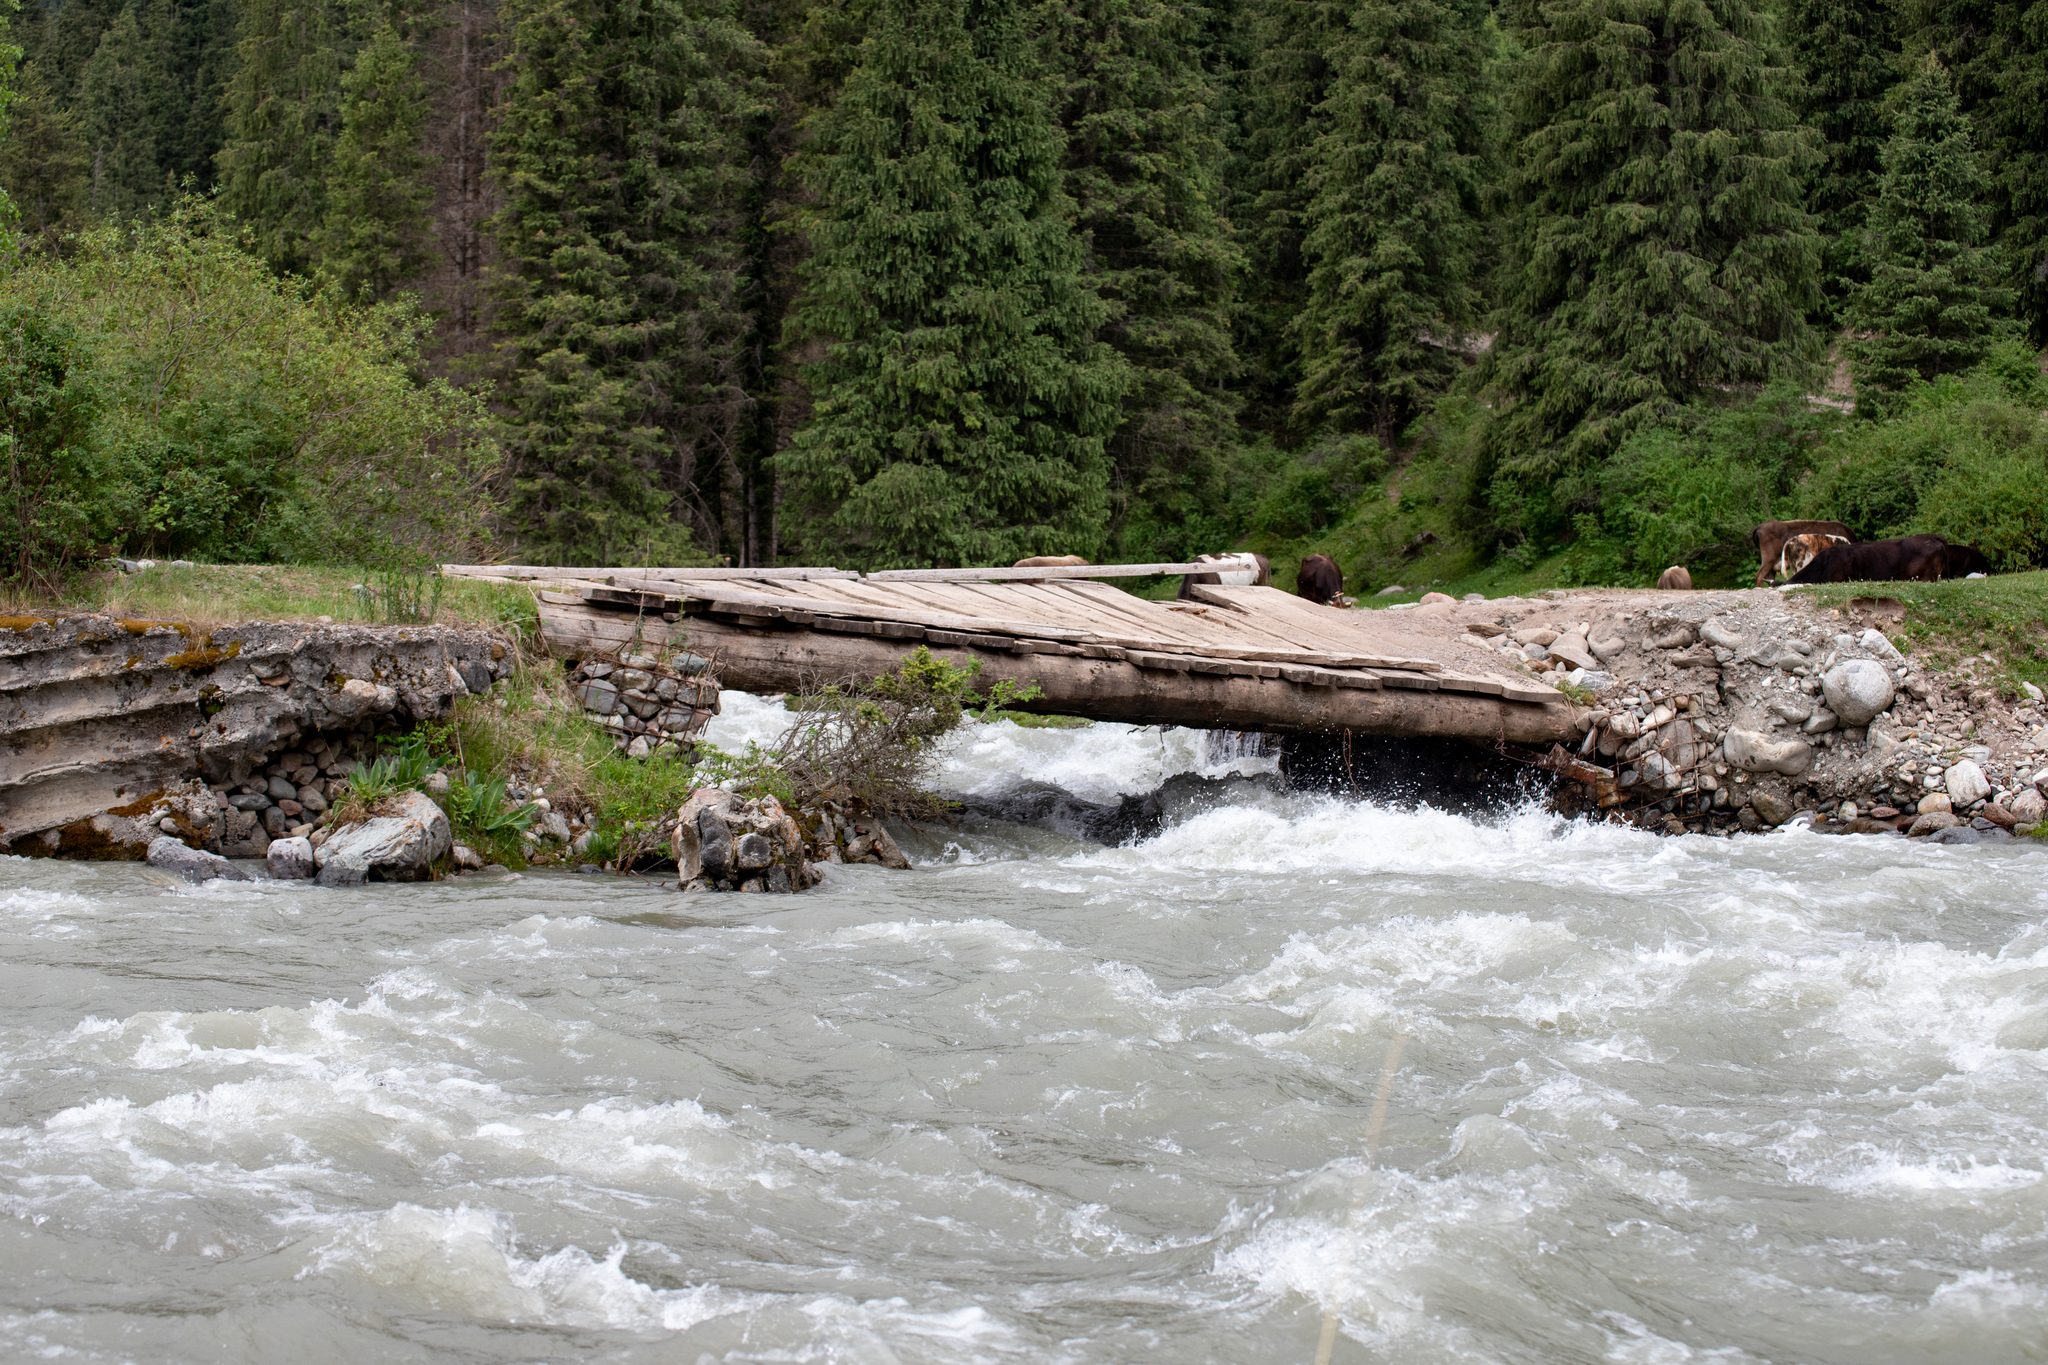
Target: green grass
{"points": [[2005, 616], [220, 594]]}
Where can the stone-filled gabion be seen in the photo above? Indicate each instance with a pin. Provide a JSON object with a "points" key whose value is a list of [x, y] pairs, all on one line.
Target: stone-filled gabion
{"points": [[649, 704]]}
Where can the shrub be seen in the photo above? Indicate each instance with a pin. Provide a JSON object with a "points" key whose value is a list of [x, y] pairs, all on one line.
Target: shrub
{"points": [[49, 409], [1965, 457], [218, 412], [876, 747]]}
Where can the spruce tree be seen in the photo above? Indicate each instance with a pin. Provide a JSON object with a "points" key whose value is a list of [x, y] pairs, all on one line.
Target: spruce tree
{"points": [[622, 153], [1396, 174], [283, 113], [374, 237], [122, 105], [42, 157], [963, 403], [1660, 251], [1144, 166], [1282, 91], [1846, 53], [1932, 304], [1997, 55]]}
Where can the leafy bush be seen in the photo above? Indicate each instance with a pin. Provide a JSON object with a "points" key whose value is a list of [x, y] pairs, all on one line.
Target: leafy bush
{"points": [[1965, 457], [194, 405], [875, 747], [1690, 489], [49, 407]]}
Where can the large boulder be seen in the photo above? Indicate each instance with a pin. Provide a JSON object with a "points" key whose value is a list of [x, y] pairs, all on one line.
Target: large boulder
{"points": [[725, 844], [1757, 753], [1857, 691], [1966, 784], [2028, 808], [192, 864], [400, 845], [291, 860]]}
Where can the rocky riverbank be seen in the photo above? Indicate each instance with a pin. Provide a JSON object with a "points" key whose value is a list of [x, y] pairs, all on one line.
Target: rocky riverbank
{"points": [[1716, 712]]}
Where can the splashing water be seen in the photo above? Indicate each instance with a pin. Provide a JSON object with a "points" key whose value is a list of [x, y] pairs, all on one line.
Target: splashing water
{"points": [[1044, 1099]]}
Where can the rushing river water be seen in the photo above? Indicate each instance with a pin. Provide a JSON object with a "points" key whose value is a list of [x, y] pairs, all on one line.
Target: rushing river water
{"points": [[1765, 1099]]}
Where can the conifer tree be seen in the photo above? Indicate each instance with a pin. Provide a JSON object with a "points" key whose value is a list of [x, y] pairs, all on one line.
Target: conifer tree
{"points": [[121, 96], [1997, 55], [963, 403], [284, 110], [1932, 304], [42, 157], [1144, 166], [1660, 250], [1396, 175], [1282, 93], [1847, 57], [622, 152], [374, 237], [10, 68]]}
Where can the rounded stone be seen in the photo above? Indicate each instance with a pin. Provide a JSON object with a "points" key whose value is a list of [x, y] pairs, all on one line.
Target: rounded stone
{"points": [[1966, 783], [1756, 753], [1936, 804], [1770, 808], [1857, 691]]}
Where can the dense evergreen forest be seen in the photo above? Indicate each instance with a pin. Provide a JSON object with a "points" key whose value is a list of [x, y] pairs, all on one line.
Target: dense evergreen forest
{"points": [[900, 282]]}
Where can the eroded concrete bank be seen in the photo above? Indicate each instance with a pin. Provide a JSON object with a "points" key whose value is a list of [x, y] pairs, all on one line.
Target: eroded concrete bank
{"points": [[115, 731]]}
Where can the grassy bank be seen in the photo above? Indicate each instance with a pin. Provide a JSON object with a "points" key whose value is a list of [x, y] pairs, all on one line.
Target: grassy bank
{"points": [[220, 594]]}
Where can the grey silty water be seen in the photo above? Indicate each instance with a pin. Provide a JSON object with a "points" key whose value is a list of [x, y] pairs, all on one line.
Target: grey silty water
{"points": [[1766, 1099]]}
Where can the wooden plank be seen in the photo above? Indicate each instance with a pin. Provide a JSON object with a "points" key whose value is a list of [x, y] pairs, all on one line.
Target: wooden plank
{"points": [[1306, 622], [1010, 574], [727, 598]]}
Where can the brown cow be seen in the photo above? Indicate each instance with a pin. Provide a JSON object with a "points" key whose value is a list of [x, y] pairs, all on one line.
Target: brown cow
{"points": [[1770, 539], [1319, 579], [1675, 578], [1237, 571], [1799, 552], [1050, 562], [1909, 559]]}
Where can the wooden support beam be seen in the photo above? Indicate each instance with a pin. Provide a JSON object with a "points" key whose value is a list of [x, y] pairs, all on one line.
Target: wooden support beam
{"points": [[514, 573], [772, 658], [1012, 575]]}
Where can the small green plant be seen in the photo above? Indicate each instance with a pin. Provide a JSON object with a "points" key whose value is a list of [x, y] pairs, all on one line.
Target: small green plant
{"points": [[1005, 694], [1575, 694], [486, 819], [396, 594], [414, 761]]}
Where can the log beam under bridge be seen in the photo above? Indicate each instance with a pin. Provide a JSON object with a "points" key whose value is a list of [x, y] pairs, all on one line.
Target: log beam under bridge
{"points": [[1242, 658]]}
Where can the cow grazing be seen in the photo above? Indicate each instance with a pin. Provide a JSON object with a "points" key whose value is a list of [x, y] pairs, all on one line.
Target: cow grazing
{"points": [[1319, 579], [1921, 559], [1236, 571], [1675, 578], [1769, 540], [1960, 561], [1799, 552], [1050, 562]]}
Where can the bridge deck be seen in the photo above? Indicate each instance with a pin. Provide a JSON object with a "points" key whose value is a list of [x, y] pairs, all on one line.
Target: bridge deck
{"points": [[1244, 658]]}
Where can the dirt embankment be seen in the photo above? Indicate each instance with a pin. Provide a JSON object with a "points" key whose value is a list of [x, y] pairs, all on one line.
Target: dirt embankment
{"points": [[114, 731], [1717, 711]]}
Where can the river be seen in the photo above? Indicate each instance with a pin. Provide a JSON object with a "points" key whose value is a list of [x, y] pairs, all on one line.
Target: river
{"points": [[1645, 1100]]}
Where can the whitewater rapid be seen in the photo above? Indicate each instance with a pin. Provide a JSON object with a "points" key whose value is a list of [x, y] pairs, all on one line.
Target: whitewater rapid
{"points": [[1653, 1100]]}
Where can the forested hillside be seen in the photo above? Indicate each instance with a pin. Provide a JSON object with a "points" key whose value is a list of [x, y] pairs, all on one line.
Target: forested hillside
{"points": [[900, 282]]}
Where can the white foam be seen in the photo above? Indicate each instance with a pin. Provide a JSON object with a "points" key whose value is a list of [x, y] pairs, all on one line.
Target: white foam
{"points": [[466, 1261]]}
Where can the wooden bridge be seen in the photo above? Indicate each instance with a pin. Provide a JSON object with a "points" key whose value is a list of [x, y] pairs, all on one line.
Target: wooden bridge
{"points": [[1239, 658]]}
